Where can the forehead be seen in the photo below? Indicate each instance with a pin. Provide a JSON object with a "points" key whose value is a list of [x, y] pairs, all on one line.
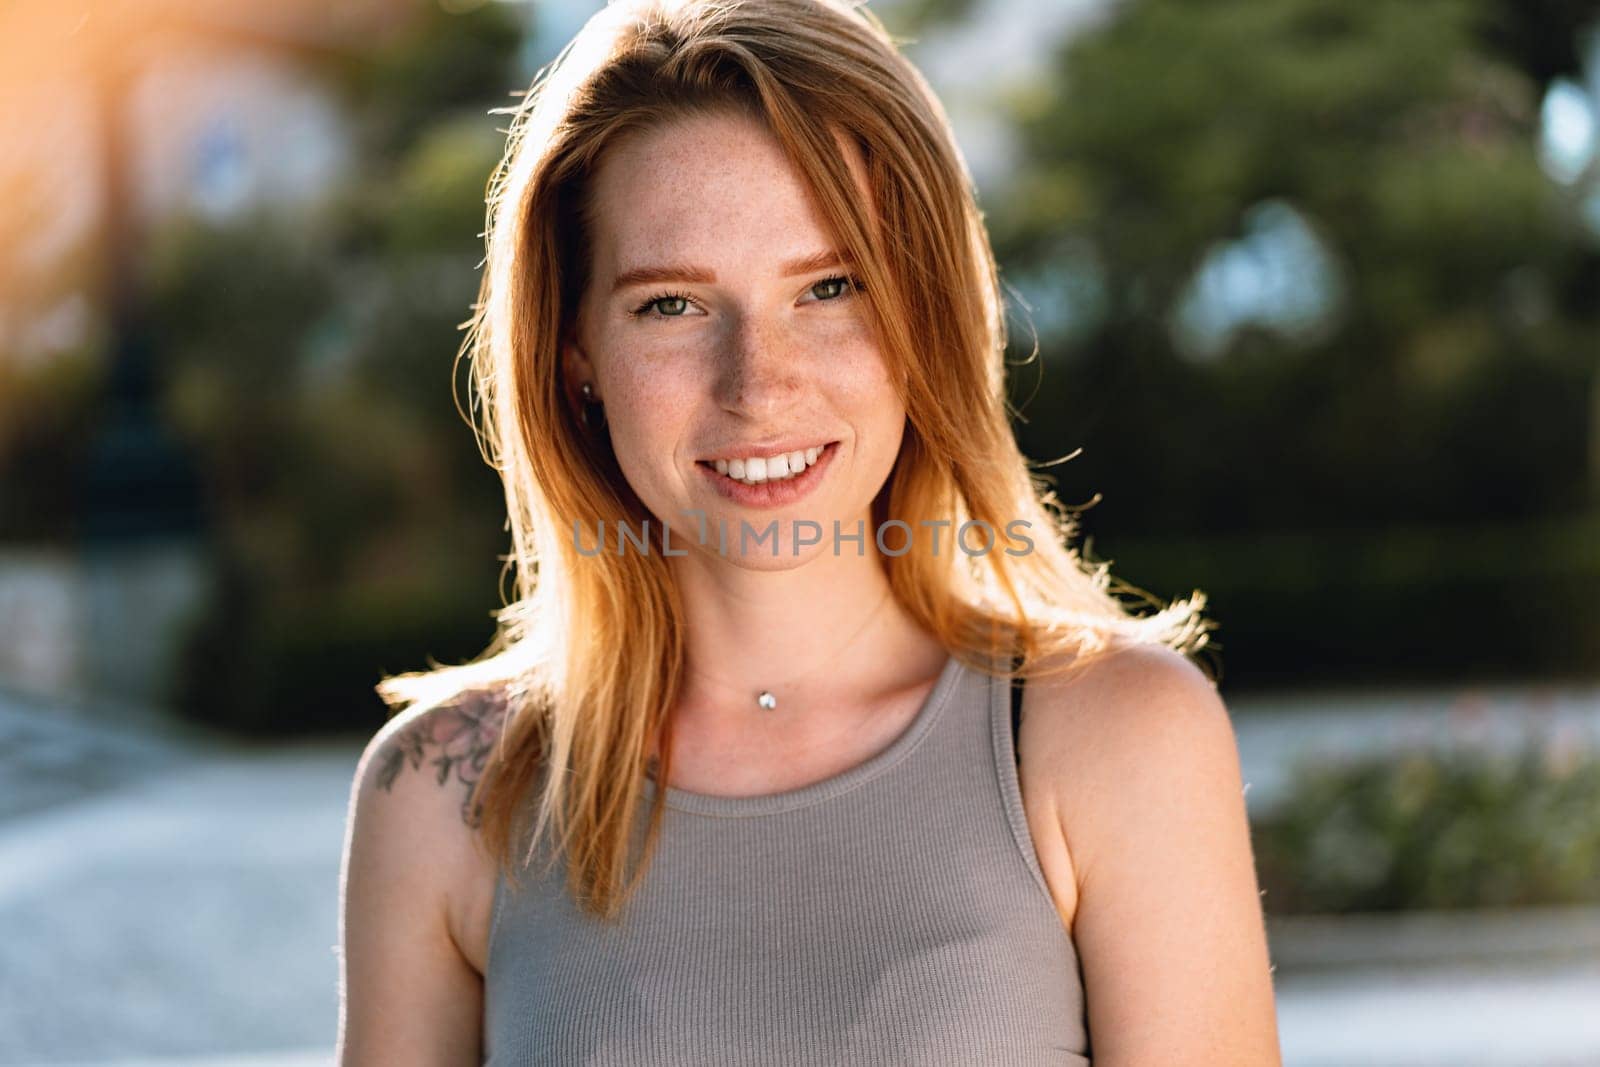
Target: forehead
{"points": [[706, 186]]}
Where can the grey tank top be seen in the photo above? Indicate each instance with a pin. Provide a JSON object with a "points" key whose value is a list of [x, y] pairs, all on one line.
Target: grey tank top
{"points": [[894, 913]]}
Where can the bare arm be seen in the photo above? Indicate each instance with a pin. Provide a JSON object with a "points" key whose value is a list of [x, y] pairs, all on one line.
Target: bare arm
{"points": [[409, 995], [1168, 925]]}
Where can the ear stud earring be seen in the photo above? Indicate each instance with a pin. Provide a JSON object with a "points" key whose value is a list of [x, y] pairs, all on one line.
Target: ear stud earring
{"points": [[594, 411]]}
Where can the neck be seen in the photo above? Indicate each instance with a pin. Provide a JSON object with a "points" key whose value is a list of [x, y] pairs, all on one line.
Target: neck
{"points": [[817, 636]]}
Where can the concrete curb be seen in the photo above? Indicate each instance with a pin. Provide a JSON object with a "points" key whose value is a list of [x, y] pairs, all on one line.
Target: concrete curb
{"points": [[1308, 943]]}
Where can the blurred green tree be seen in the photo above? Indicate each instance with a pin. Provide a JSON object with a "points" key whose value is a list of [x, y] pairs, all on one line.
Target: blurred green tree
{"points": [[1296, 267], [1408, 153], [310, 360]]}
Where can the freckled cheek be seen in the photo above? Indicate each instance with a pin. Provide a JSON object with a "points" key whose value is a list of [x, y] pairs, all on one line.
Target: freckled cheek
{"points": [[863, 380], [864, 391], [649, 409]]}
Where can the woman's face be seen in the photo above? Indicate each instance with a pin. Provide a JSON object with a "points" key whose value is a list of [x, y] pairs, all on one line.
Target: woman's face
{"points": [[717, 326]]}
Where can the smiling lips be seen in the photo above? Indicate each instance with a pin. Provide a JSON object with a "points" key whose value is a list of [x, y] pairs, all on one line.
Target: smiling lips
{"points": [[776, 468], [778, 480]]}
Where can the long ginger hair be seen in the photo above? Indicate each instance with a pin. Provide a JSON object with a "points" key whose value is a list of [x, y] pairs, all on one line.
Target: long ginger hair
{"points": [[588, 655]]}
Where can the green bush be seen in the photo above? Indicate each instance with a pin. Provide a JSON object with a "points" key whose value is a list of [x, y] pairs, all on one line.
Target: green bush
{"points": [[1450, 829]]}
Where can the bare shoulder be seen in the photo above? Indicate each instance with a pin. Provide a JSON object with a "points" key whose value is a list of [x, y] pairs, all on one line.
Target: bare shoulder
{"points": [[446, 746], [1081, 725], [416, 888], [1139, 754], [413, 820], [1140, 714]]}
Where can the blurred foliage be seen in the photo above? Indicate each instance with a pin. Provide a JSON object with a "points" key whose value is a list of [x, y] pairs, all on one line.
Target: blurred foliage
{"points": [[443, 61], [1447, 384], [48, 411], [49, 404], [912, 18], [1454, 829], [310, 361], [1409, 150], [1482, 602], [1541, 36]]}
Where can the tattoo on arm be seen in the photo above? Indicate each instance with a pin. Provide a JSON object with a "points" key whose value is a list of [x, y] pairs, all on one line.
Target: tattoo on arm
{"points": [[455, 740]]}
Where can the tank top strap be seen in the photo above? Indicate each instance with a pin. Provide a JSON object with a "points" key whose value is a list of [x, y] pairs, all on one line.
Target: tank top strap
{"points": [[1005, 717]]}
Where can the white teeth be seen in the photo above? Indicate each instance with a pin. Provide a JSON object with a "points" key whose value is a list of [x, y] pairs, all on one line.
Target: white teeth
{"points": [[754, 470]]}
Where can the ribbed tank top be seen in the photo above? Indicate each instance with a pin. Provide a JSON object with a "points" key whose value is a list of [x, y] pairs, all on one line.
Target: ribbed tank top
{"points": [[894, 913]]}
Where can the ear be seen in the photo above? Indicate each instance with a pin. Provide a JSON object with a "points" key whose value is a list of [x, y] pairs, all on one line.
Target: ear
{"points": [[576, 367]]}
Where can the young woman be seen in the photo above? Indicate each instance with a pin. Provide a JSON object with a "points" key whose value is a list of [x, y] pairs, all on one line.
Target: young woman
{"points": [[739, 356]]}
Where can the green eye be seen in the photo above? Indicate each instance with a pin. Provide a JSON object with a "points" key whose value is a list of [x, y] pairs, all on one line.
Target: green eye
{"points": [[844, 284], [644, 309]]}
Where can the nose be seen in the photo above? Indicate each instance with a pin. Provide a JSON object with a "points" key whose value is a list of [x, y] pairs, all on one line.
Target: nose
{"points": [[760, 369]]}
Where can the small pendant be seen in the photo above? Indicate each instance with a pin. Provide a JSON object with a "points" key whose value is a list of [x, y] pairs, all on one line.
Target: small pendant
{"points": [[767, 700]]}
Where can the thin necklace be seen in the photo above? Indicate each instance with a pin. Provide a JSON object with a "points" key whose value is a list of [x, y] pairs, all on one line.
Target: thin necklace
{"points": [[766, 699]]}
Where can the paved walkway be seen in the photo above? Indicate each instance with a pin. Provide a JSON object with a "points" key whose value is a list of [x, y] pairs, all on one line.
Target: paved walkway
{"points": [[1529, 1016], [168, 900], [193, 912]]}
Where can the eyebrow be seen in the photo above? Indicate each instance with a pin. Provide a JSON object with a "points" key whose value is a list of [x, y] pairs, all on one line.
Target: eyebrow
{"points": [[678, 272]]}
